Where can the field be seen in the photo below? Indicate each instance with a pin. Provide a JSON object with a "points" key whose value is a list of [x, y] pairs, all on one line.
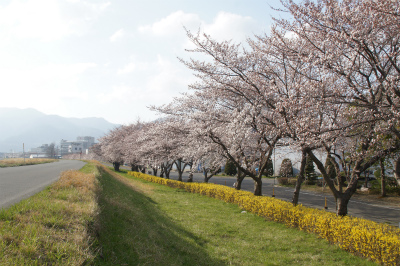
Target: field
{"points": [[21, 161]]}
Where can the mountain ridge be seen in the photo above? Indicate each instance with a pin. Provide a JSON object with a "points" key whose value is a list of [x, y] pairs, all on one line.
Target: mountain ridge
{"points": [[34, 128]]}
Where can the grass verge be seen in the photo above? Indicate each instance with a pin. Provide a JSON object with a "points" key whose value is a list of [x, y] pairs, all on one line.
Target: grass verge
{"points": [[142, 223], [51, 228], [21, 161]]}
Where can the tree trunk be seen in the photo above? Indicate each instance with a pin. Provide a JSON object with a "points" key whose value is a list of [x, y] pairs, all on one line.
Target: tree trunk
{"points": [[116, 166], [167, 171], [180, 168], [180, 172], [239, 179], [300, 178], [342, 199], [238, 184], [162, 170], [190, 179], [397, 171], [144, 170], [257, 186], [206, 178], [208, 173], [341, 204], [155, 170], [383, 178], [180, 176]]}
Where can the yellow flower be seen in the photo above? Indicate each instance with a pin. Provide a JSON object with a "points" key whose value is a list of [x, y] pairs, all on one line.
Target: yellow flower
{"points": [[379, 242]]}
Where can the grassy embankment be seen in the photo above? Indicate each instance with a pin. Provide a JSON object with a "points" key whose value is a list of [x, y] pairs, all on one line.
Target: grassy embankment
{"points": [[51, 228], [20, 161], [143, 223], [135, 222]]}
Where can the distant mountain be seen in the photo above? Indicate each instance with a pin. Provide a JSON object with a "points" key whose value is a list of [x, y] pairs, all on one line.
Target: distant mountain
{"points": [[34, 128]]}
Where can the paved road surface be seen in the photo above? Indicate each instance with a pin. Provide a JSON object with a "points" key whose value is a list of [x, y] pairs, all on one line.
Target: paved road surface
{"points": [[17, 183]]}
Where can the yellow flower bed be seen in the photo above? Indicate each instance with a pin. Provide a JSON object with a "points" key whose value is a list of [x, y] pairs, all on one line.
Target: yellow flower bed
{"points": [[379, 242]]}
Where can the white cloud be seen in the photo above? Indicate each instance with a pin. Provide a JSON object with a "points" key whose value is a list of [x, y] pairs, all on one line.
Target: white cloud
{"points": [[118, 35], [129, 68], [48, 77], [64, 71], [30, 19], [155, 82], [48, 20], [45, 85], [226, 26], [169, 80], [172, 24], [120, 93]]}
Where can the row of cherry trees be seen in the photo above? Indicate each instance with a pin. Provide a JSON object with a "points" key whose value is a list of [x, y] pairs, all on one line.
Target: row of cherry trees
{"points": [[327, 78]]}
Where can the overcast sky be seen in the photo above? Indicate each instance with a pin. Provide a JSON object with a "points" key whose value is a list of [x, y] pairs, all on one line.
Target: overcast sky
{"points": [[110, 59]]}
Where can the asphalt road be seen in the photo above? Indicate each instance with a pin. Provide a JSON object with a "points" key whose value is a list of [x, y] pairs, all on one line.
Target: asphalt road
{"points": [[17, 183], [374, 211]]}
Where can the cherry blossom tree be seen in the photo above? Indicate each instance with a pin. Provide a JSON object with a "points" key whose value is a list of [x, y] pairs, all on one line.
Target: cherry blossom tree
{"points": [[357, 44], [112, 146], [132, 146], [176, 130], [158, 149], [301, 114], [224, 119]]}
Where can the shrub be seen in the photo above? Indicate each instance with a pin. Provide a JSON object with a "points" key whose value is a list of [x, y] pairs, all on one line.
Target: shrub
{"points": [[310, 174], [286, 169], [391, 186], [377, 173], [230, 168], [284, 181], [287, 181]]}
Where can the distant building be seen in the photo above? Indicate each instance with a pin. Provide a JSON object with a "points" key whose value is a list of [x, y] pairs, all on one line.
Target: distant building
{"points": [[86, 141], [37, 156], [12, 155], [80, 145], [42, 149]]}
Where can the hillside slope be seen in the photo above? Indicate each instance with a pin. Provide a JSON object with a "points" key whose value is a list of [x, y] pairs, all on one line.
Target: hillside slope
{"points": [[34, 128]]}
